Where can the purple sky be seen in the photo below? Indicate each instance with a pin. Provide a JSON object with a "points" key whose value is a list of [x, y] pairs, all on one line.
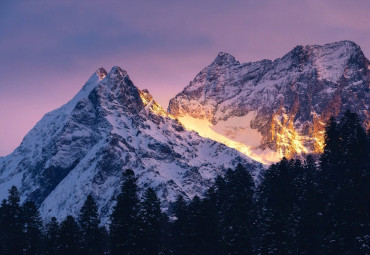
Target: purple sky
{"points": [[48, 49]]}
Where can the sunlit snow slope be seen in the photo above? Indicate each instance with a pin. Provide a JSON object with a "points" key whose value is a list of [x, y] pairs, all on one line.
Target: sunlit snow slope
{"points": [[270, 109]]}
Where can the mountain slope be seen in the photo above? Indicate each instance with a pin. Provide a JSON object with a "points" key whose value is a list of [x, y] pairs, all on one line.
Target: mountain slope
{"points": [[109, 126], [269, 109]]}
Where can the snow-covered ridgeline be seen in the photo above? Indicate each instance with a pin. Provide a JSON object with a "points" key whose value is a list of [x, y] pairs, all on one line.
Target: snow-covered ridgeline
{"points": [[290, 99], [109, 126]]}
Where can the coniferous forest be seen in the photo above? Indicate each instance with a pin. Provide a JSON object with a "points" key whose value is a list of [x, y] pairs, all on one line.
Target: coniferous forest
{"points": [[319, 205]]}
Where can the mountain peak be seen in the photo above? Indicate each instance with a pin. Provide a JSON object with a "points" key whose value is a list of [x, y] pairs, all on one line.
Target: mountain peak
{"points": [[257, 106], [101, 73], [110, 125], [343, 43], [117, 71], [224, 58], [346, 47], [145, 96], [334, 45]]}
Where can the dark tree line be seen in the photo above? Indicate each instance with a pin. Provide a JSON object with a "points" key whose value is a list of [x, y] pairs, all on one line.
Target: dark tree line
{"points": [[22, 231], [319, 207], [300, 208]]}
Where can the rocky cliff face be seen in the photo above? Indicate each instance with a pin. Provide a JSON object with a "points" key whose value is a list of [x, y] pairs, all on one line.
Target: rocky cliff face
{"points": [[109, 126], [269, 109]]}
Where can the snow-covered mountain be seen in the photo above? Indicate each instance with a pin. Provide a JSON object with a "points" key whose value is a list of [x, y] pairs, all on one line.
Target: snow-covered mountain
{"points": [[269, 109], [109, 126], [263, 109]]}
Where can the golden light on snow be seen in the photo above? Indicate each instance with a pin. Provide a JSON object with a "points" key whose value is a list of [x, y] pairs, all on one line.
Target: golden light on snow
{"points": [[287, 139], [204, 128], [236, 133], [149, 102]]}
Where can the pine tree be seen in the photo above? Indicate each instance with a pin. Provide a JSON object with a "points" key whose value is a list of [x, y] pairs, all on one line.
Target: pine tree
{"points": [[345, 167], [124, 219], [179, 228], [2, 226], [331, 165], [69, 237], [276, 222], [196, 227], [221, 205], [210, 223], [309, 205], [238, 214], [347, 210], [362, 243], [187, 228], [91, 233], [150, 222], [165, 235], [33, 231], [52, 237], [332, 142], [12, 224]]}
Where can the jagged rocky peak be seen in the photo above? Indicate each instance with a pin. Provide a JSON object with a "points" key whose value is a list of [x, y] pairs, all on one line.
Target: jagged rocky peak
{"points": [[329, 60], [101, 73], [109, 126], [146, 96], [117, 71], [118, 87], [224, 58], [277, 108], [153, 109], [344, 48], [299, 55]]}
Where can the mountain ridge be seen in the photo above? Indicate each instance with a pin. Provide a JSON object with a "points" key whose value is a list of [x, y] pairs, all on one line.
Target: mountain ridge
{"points": [[109, 126], [292, 96], [264, 110]]}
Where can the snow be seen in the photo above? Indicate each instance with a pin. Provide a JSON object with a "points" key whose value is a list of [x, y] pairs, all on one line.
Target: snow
{"points": [[226, 96], [235, 132], [105, 129], [239, 129], [330, 61]]}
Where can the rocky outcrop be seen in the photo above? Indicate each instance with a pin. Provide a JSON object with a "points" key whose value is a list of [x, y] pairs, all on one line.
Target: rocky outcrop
{"points": [[109, 126], [285, 103]]}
